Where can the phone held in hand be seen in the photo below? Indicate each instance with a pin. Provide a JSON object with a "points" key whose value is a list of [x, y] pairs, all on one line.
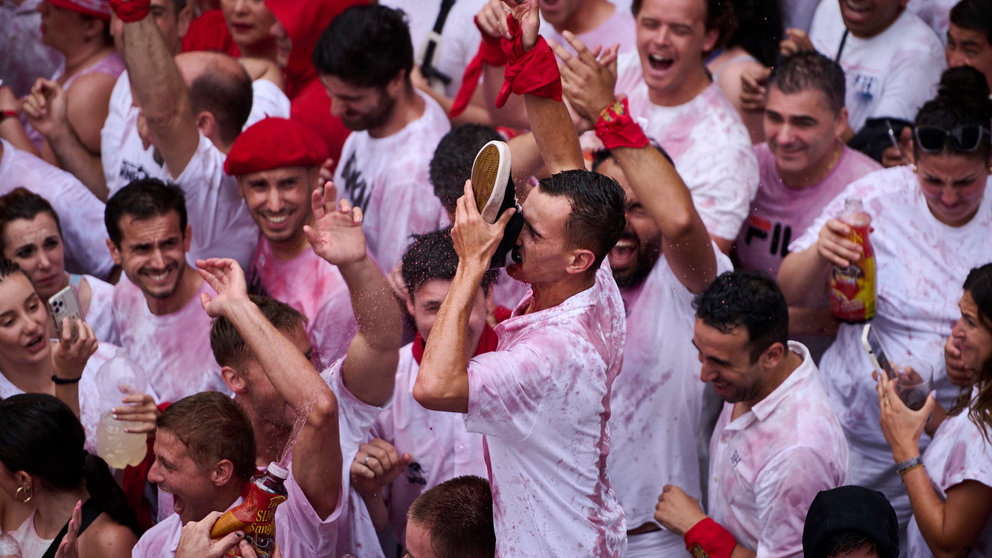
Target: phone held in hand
{"points": [[873, 346], [65, 304]]}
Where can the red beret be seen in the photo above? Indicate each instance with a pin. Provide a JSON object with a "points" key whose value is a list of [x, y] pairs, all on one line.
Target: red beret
{"points": [[273, 143]]}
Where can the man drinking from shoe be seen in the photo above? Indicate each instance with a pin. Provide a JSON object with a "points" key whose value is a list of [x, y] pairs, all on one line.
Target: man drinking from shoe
{"points": [[542, 398]]}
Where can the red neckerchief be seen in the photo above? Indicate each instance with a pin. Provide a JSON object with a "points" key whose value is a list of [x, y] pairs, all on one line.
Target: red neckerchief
{"points": [[487, 343]]}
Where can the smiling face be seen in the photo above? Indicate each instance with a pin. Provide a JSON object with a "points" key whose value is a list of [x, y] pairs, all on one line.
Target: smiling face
{"points": [[541, 246], [35, 245], [174, 471], [972, 337], [250, 23], [953, 185], [867, 18], [802, 133], [639, 247], [23, 318], [279, 201], [967, 47], [726, 363], [360, 108], [671, 39], [153, 253]]}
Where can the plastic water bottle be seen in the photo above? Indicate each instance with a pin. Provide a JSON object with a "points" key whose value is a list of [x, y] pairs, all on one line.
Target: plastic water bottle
{"points": [[118, 377], [9, 547]]}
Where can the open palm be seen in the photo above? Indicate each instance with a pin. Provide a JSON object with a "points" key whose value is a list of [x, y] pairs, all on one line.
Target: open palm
{"points": [[336, 234]]}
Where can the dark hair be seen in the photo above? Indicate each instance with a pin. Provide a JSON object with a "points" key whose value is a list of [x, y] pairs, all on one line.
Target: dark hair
{"points": [[598, 203], [224, 90], [975, 15], [432, 256], [808, 69], [962, 99], [750, 300], [600, 156], [365, 46], [8, 268], [979, 285], [212, 427], [179, 5], [21, 203], [451, 164], [229, 347], [458, 514], [143, 199], [41, 436], [716, 13], [848, 518], [755, 26]]}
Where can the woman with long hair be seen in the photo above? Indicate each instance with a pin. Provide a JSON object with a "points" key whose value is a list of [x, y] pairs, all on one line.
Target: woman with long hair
{"points": [[45, 472], [950, 487]]}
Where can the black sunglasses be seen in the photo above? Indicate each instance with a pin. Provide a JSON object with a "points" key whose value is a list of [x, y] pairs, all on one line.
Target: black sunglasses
{"points": [[933, 139]]}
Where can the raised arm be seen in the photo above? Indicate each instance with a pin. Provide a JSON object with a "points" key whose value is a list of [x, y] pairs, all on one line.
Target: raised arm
{"points": [[369, 368], [317, 461], [589, 80], [161, 93]]}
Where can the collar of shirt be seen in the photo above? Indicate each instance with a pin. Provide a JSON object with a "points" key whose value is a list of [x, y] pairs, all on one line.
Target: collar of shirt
{"points": [[764, 408]]}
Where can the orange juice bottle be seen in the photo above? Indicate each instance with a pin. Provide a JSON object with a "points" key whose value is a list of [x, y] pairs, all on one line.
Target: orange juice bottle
{"points": [[852, 289], [256, 515]]}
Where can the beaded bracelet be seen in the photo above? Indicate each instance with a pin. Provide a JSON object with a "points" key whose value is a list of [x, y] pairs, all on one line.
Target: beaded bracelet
{"points": [[909, 465]]}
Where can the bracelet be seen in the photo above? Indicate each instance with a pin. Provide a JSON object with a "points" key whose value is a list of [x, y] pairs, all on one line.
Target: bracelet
{"points": [[909, 465], [709, 539], [65, 381], [8, 113], [130, 11], [616, 128]]}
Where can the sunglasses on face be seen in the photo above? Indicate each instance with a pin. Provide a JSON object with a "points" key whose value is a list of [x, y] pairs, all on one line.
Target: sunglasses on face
{"points": [[933, 139]]}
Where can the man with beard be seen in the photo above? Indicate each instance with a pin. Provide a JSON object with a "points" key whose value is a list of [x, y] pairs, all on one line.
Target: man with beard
{"points": [[364, 59], [156, 306]]}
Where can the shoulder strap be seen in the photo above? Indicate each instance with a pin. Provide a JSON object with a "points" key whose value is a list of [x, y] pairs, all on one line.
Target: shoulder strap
{"points": [[89, 513], [427, 65]]}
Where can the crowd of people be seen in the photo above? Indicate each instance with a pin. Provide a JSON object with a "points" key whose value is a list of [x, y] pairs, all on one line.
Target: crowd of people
{"points": [[495, 278]]}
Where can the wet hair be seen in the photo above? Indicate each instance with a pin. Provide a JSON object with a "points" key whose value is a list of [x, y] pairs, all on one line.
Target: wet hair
{"points": [[365, 46], [974, 15], [458, 514], [810, 70], [979, 285], [598, 203], [21, 203], [42, 437], [225, 92], [143, 199], [716, 13], [229, 347], [432, 256], [600, 156], [451, 164], [749, 300], [213, 428], [755, 26], [962, 99]]}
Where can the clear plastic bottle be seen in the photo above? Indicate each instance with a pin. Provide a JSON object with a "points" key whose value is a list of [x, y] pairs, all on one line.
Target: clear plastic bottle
{"points": [[9, 547], [852, 289], [256, 515], [118, 377]]}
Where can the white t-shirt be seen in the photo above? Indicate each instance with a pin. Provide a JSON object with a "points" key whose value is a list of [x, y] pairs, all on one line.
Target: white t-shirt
{"points": [[767, 465], [20, 24], [958, 453], [314, 287], [889, 75], [542, 399], [920, 266], [620, 29], [100, 315], [388, 178], [222, 225], [709, 144], [459, 36], [936, 13], [657, 397], [441, 447], [797, 13], [123, 157], [780, 213], [174, 349], [80, 212]]}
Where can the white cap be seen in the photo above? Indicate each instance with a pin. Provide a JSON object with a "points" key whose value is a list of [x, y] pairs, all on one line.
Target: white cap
{"points": [[278, 470]]}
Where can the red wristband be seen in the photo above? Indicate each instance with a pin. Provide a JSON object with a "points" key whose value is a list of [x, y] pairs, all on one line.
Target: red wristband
{"points": [[534, 72], [131, 10], [709, 539], [616, 128], [4, 114]]}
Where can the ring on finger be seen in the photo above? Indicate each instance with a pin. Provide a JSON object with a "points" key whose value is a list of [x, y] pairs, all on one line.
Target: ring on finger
{"points": [[366, 461]]}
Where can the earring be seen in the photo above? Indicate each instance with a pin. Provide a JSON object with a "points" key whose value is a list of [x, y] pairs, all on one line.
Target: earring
{"points": [[21, 491], [914, 168]]}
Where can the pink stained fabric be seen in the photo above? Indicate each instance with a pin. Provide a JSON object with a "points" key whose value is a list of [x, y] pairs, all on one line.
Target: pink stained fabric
{"points": [[314, 287], [767, 465], [620, 29], [542, 400], [780, 213]]}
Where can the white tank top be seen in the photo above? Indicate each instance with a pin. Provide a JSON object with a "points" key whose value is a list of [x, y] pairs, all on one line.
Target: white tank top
{"points": [[32, 546]]}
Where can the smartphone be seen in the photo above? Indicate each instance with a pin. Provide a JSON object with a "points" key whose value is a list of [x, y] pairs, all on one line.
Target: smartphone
{"points": [[873, 346], [65, 304]]}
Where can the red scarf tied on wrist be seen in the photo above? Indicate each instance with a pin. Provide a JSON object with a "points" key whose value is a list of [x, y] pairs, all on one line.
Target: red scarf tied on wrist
{"points": [[534, 72], [130, 11]]}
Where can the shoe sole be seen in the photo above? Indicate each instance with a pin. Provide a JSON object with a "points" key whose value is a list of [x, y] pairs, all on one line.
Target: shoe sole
{"points": [[490, 174]]}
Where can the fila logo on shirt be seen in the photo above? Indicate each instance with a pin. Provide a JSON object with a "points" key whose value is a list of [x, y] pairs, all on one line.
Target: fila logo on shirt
{"points": [[760, 229]]}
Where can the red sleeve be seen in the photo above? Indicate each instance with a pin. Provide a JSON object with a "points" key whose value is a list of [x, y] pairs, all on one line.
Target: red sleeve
{"points": [[209, 32]]}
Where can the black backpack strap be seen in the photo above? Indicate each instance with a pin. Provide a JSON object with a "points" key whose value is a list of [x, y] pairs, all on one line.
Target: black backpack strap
{"points": [[89, 513], [427, 65]]}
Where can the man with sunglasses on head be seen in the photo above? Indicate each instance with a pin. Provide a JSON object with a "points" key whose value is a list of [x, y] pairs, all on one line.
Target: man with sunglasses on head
{"points": [[931, 223]]}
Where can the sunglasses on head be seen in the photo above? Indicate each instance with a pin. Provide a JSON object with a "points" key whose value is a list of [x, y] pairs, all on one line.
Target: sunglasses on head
{"points": [[933, 139]]}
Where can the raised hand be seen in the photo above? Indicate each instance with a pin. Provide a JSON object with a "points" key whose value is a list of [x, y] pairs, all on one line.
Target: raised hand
{"points": [[77, 345], [45, 107], [526, 14], [833, 245], [754, 88], [901, 426], [68, 548], [140, 408], [476, 239], [796, 40], [588, 77], [377, 464], [227, 279], [195, 541], [336, 234]]}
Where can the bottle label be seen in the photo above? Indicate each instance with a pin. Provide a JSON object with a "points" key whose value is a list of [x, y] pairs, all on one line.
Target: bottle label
{"points": [[256, 516], [852, 290]]}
